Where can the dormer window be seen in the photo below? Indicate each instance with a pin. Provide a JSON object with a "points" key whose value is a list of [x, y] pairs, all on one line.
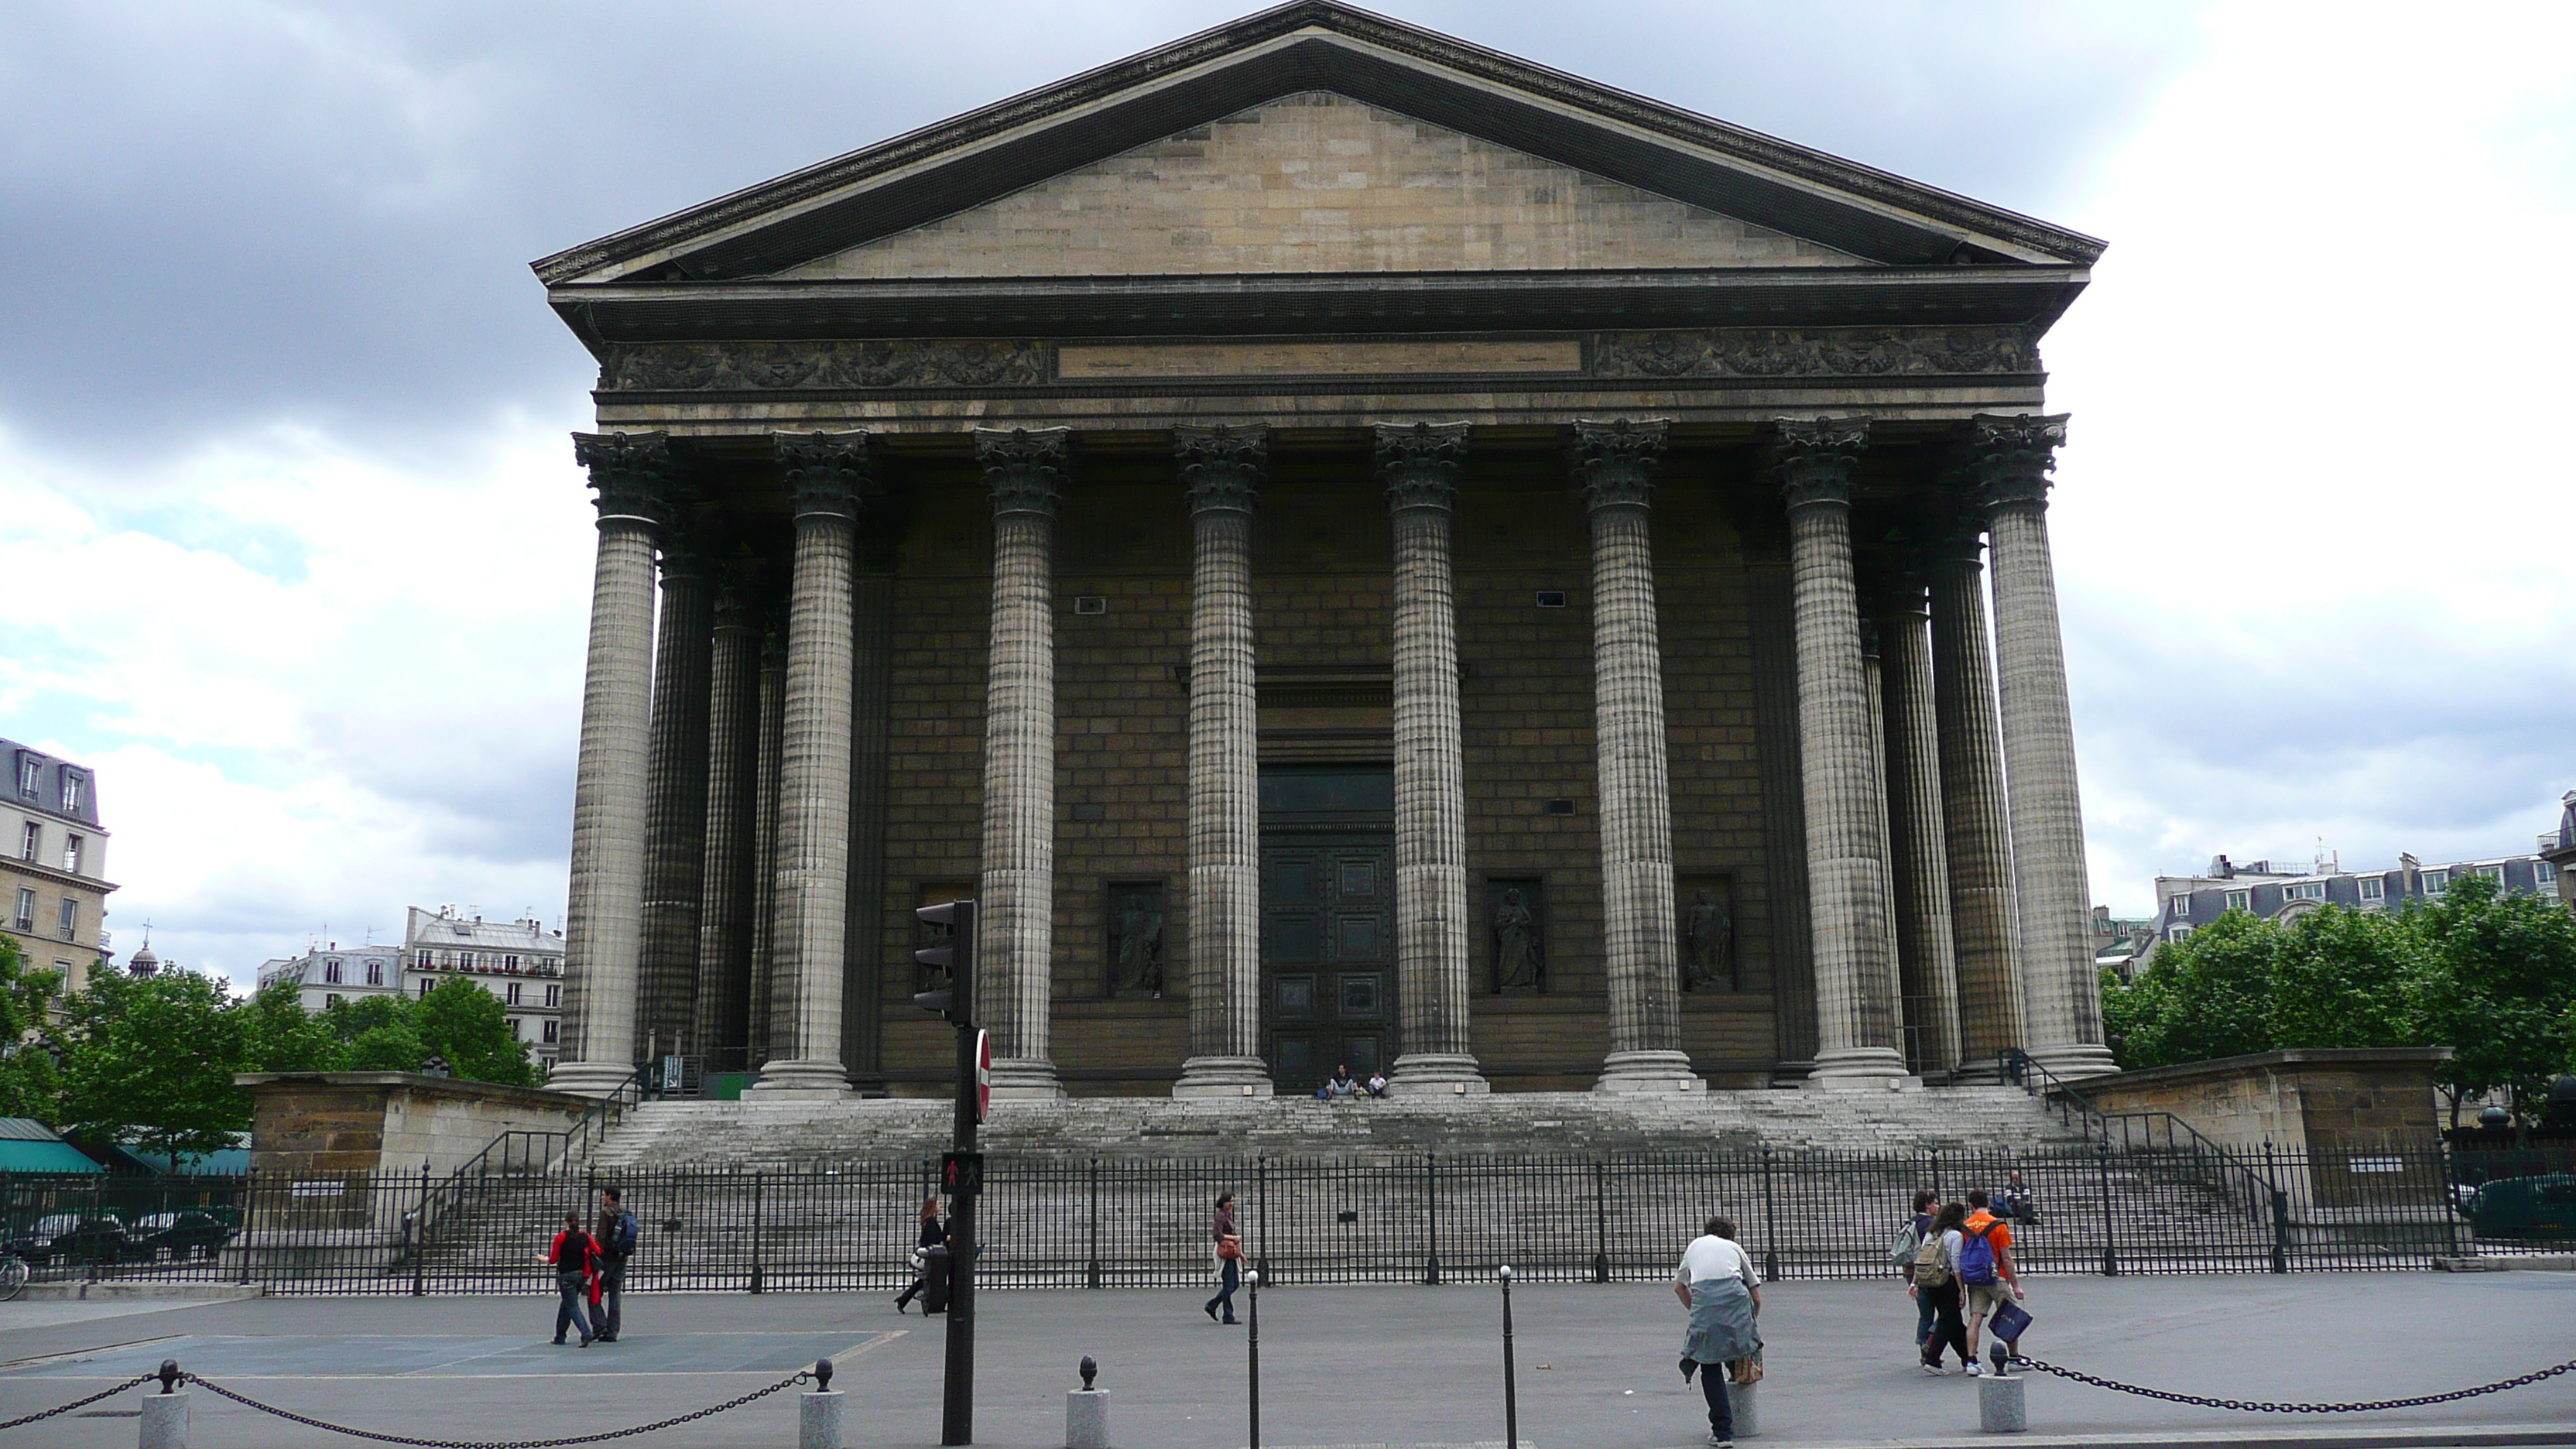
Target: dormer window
{"points": [[72, 783], [31, 775]]}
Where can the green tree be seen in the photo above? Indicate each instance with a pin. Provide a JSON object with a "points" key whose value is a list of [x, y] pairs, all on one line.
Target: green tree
{"points": [[2498, 989], [2348, 979], [469, 1027], [279, 1035], [29, 1084], [2206, 995], [151, 1063]]}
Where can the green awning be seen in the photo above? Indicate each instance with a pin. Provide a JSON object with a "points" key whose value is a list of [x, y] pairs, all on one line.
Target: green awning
{"points": [[21, 1155]]}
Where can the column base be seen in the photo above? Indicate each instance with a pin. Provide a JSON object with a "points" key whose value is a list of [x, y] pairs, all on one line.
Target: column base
{"points": [[804, 1081], [1978, 1072], [589, 1079], [1025, 1079], [1860, 1069], [2075, 1061], [1236, 1077], [1437, 1074], [1651, 1071]]}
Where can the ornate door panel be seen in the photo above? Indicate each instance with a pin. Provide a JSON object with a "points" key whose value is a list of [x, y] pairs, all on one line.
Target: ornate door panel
{"points": [[1328, 955]]}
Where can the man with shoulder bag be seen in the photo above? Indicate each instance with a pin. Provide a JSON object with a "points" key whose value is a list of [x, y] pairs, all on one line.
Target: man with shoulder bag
{"points": [[617, 1234]]}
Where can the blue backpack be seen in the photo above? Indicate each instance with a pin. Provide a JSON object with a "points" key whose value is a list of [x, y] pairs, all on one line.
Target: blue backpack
{"points": [[1977, 1257]]}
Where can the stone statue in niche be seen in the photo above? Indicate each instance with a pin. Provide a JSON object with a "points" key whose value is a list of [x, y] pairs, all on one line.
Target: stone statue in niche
{"points": [[1708, 944], [1136, 940], [1520, 962]]}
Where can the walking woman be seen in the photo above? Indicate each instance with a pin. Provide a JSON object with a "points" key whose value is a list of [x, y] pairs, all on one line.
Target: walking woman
{"points": [[934, 1233], [575, 1257], [1936, 1273], [1229, 1259]]}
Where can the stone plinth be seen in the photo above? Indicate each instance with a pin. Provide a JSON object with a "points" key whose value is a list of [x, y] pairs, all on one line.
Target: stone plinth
{"points": [[335, 1123]]}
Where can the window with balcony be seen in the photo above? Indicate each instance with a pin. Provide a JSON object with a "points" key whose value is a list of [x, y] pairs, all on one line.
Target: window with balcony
{"points": [[31, 841], [331, 972], [70, 919], [552, 1028], [554, 997], [26, 910], [511, 994], [72, 853]]}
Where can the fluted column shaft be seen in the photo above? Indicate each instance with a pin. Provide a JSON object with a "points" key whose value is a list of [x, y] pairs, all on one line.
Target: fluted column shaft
{"points": [[676, 812], [1026, 473], [1221, 468], [2061, 996], [1856, 988], [733, 763], [814, 766], [1974, 819], [1615, 464], [1927, 964], [1419, 465], [762, 1005], [603, 925]]}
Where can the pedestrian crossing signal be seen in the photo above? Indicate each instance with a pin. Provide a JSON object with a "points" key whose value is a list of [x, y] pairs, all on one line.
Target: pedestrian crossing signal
{"points": [[961, 1173]]}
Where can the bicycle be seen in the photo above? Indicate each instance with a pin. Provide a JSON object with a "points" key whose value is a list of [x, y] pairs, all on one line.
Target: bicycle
{"points": [[13, 1276]]}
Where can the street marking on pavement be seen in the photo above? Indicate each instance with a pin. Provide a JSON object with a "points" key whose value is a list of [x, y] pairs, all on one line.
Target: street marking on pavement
{"points": [[83, 1355]]}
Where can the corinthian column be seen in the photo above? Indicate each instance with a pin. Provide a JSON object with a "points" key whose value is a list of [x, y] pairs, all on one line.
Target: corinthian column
{"points": [[1015, 963], [1419, 465], [733, 762], [1857, 1012], [675, 818], [762, 1009], [603, 926], [1615, 463], [2061, 996], [823, 472], [1974, 819], [1221, 468], [1917, 852]]}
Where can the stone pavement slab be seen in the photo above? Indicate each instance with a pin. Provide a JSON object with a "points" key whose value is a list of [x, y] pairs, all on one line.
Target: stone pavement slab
{"points": [[1393, 1365]]}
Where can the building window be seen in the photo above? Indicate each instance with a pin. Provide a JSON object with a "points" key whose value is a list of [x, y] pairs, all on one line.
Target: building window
{"points": [[2177, 933], [31, 842], [26, 910], [72, 853], [375, 973], [2240, 900], [509, 963], [2492, 872], [331, 972], [2436, 882], [551, 1028], [330, 999], [70, 917], [31, 773], [72, 783], [511, 995], [424, 987], [515, 1025], [2373, 888], [2544, 877], [2306, 890], [554, 997]]}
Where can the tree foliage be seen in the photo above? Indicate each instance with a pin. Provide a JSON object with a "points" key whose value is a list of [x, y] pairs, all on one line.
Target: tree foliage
{"points": [[2489, 974], [29, 1084]]}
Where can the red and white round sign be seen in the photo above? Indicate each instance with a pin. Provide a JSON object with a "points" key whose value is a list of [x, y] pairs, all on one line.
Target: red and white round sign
{"points": [[983, 1076]]}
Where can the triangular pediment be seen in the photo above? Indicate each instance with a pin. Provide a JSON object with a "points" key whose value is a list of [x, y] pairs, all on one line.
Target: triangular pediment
{"points": [[1319, 182]]}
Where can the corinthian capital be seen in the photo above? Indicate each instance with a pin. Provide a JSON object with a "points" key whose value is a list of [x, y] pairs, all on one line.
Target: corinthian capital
{"points": [[824, 472], [1418, 463], [633, 473], [1026, 470], [738, 593], [2009, 458], [1615, 462], [1814, 458], [1221, 466]]}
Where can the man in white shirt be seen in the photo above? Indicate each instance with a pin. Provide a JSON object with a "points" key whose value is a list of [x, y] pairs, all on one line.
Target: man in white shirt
{"points": [[1719, 1289]]}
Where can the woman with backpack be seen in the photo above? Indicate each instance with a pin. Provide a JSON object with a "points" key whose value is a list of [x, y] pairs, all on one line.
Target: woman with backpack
{"points": [[575, 1257], [1936, 1276], [1909, 1242]]}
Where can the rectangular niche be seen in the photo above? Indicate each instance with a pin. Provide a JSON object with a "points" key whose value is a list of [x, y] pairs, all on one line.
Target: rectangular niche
{"points": [[1704, 922], [1134, 940], [1516, 935]]}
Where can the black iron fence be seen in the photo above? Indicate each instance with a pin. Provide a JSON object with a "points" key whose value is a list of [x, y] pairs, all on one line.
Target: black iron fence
{"points": [[1121, 1222]]}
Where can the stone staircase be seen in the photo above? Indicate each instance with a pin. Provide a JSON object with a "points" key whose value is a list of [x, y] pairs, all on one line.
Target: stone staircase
{"points": [[798, 1135]]}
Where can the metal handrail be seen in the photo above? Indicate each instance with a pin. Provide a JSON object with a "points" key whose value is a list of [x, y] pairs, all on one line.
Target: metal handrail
{"points": [[576, 1139], [2260, 1192]]}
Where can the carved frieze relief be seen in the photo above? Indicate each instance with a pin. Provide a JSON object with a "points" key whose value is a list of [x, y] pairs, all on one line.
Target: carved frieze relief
{"points": [[763, 366], [1814, 352]]}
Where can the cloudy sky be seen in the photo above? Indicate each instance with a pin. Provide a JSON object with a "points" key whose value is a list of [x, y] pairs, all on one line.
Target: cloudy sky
{"points": [[292, 551]]}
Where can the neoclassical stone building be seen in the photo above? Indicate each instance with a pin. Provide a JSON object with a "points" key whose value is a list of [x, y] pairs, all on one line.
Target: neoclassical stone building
{"points": [[1356, 549]]}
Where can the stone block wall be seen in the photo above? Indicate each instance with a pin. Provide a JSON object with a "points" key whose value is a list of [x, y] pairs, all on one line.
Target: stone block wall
{"points": [[2354, 1114], [329, 1124]]}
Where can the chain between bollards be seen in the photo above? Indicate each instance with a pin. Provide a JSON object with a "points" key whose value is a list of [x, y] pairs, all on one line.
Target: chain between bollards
{"points": [[1511, 1385]]}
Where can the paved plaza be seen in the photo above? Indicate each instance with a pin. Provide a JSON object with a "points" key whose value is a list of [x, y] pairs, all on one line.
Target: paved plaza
{"points": [[1341, 1366]]}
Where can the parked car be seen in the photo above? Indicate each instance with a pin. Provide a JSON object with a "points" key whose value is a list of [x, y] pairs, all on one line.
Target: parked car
{"points": [[2526, 1207], [180, 1235], [73, 1238]]}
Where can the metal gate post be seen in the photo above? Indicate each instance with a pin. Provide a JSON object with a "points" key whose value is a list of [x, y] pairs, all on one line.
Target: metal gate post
{"points": [[1092, 1280], [2280, 1231], [1431, 1187], [420, 1237], [1770, 1224], [2110, 1252], [758, 1278], [1600, 1223]]}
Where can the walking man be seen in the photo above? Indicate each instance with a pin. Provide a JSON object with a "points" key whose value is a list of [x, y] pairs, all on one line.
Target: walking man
{"points": [[616, 1235], [1987, 1279], [1719, 1290]]}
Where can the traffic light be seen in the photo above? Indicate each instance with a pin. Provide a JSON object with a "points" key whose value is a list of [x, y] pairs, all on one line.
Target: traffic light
{"points": [[954, 957]]}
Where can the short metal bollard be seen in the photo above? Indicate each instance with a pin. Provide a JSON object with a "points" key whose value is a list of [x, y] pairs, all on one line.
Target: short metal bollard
{"points": [[818, 1413], [1086, 1412], [1743, 1403], [1999, 1399], [165, 1414]]}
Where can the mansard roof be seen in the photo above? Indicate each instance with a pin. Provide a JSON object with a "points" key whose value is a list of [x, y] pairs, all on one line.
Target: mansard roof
{"points": [[766, 248]]}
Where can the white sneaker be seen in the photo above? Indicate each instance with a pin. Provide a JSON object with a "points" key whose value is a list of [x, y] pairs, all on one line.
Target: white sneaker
{"points": [[1932, 1370], [1976, 1369]]}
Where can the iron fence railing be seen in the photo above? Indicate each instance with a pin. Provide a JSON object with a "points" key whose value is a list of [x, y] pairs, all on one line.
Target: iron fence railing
{"points": [[1056, 1222]]}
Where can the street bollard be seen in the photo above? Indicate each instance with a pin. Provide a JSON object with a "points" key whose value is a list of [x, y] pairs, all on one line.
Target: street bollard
{"points": [[1999, 1399], [818, 1413], [1086, 1412], [1252, 1350], [1511, 1388], [165, 1414], [1744, 1402]]}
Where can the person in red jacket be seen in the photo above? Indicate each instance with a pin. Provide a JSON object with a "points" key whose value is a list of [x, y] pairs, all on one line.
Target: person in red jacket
{"points": [[575, 1258]]}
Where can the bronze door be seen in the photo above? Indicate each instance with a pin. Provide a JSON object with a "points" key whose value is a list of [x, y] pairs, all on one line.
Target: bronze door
{"points": [[1328, 956]]}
